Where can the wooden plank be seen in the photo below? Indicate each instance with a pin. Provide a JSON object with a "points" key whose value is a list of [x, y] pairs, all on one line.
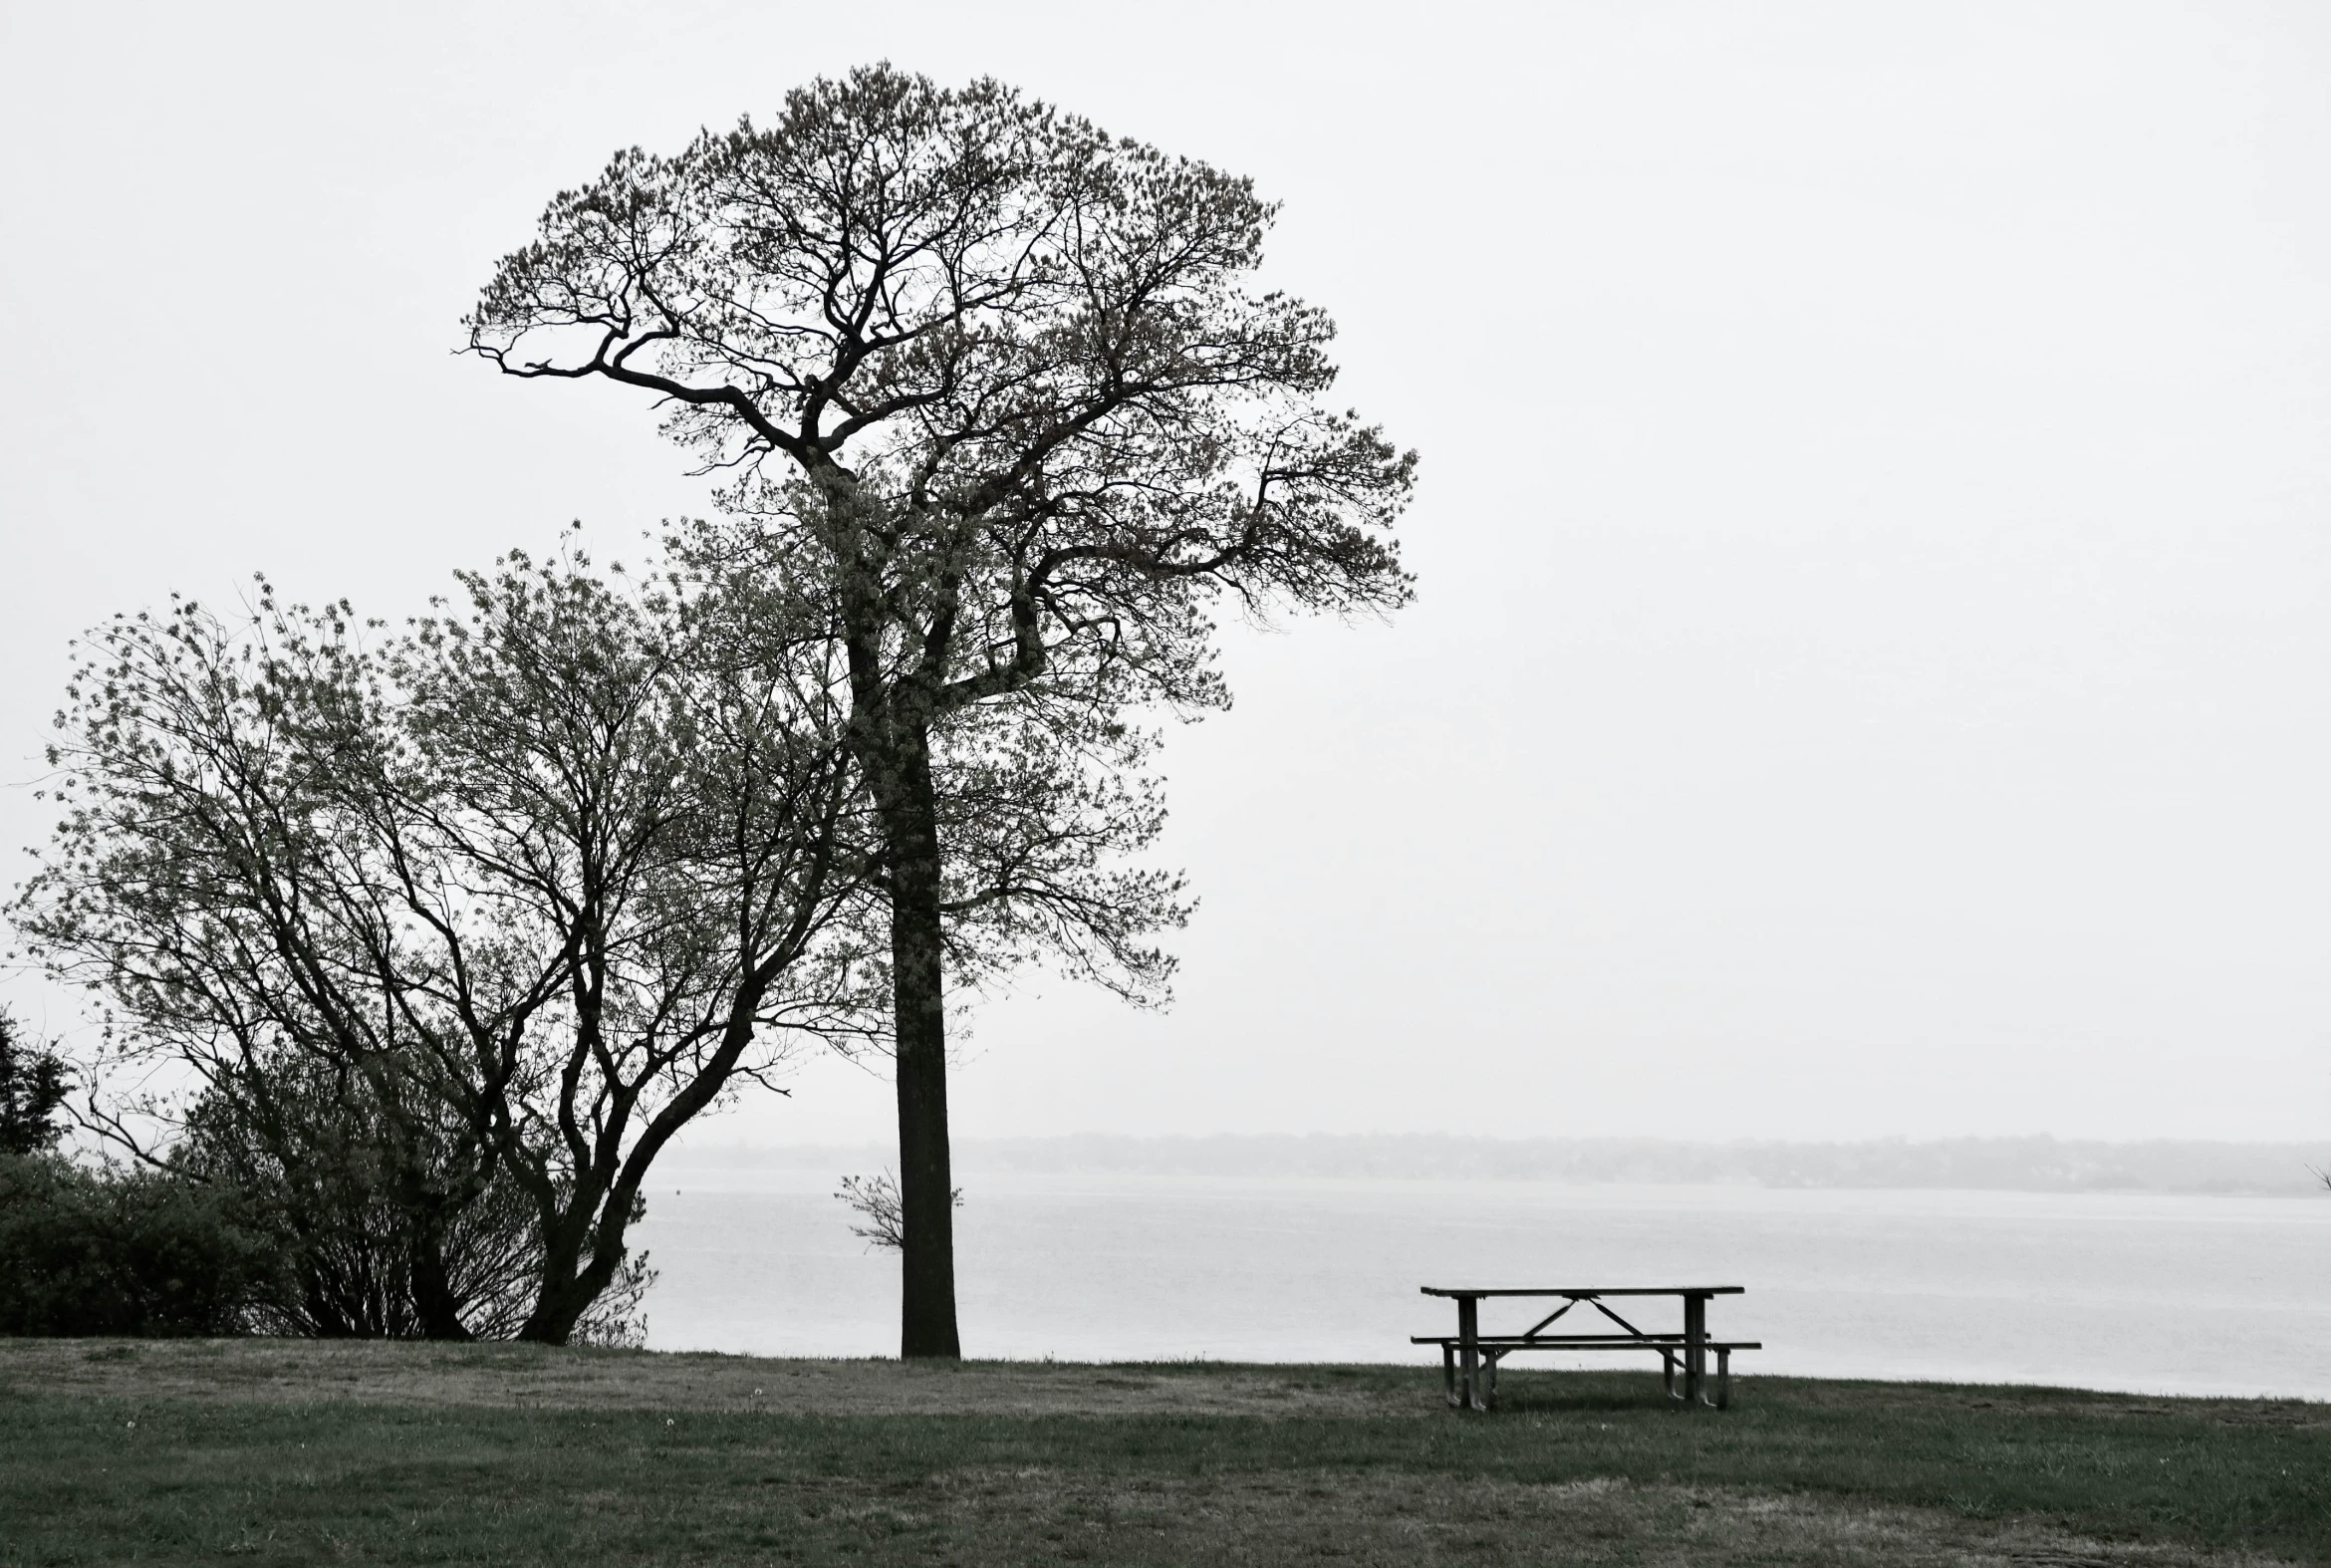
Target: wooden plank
{"points": [[1550, 1317], [1613, 1316], [1469, 1352], [1504, 1343], [1565, 1339], [1694, 1349], [1583, 1292]]}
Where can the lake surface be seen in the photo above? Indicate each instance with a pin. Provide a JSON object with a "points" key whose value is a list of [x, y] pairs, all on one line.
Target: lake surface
{"points": [[2162, 1294]]}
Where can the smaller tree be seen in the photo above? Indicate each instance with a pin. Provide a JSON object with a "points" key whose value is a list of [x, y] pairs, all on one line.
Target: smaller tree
{"points": [[499, 904], [33, 1087]]}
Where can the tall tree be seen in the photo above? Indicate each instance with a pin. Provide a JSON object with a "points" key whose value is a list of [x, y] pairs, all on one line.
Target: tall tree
{"points": [[1004, 387], [541, 882]]}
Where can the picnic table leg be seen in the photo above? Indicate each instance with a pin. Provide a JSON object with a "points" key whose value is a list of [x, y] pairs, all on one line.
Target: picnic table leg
{"points": [[1448, 1373], [1724, 1380], [1469, 1351], [1668, 1370], [1694, 1350]]}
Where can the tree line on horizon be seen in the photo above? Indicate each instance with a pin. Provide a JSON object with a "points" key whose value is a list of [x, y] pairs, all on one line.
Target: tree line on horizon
{"points": [[419, 945]]}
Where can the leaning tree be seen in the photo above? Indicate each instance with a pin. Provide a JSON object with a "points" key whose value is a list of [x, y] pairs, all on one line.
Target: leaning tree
{"points": [[517, 894], [1006, 387]]}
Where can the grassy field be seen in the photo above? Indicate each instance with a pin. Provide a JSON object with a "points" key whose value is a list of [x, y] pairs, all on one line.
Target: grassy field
{"points": [[253, 1452]]}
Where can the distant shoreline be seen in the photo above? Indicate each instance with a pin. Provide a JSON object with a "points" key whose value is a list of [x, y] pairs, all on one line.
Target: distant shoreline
{"points": [[2034, 1164]]}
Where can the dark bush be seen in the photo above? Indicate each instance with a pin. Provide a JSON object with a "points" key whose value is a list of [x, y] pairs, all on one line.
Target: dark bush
{"points": [[388, 1224], [390, 1219], [31, 1093], [124, 1254], [295, 1202]]}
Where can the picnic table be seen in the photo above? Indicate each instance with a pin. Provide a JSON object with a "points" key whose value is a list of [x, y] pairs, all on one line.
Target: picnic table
{"points": [[1469, 1358]]}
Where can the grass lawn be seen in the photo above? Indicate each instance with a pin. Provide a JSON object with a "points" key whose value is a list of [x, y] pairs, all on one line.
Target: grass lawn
{"points": [[256, 1451]]}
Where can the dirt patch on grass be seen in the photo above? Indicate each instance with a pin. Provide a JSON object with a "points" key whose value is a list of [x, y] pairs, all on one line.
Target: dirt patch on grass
{"points": [[977, 1517], [546, 1378], [2010, 1400]]}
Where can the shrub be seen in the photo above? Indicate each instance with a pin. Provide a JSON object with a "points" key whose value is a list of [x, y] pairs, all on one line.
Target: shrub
{"points": [[124, 1254], [32, 1092], [388, 1218]]}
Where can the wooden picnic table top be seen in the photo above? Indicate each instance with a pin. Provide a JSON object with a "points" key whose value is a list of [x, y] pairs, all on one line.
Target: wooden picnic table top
{"points": [[1582, 1293]]}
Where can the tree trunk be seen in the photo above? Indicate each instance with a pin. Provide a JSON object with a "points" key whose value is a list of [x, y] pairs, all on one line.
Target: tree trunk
{"points": [[569, 1284], [557, 1311], [432, 1290], [927, 1300]]}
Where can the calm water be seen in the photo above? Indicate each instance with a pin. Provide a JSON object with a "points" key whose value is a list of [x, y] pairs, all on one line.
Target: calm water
{"points": [[2188, 1295]]}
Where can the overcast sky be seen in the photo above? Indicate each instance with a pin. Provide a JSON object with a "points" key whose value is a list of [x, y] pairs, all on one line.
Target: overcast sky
{"points": [[1872, 663]]}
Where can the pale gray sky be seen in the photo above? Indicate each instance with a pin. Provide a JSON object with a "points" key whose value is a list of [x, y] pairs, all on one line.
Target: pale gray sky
{"points": [[1873, 664]]}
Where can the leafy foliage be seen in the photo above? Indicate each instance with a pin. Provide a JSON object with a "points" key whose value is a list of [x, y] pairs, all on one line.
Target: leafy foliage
{"points": [[141, 1252], [468, 918], [32, 1086], [1040, 809]]}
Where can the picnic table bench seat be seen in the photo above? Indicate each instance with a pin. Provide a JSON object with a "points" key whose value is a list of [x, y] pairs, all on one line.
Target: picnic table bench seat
{"points": [[1672, 1347]]}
